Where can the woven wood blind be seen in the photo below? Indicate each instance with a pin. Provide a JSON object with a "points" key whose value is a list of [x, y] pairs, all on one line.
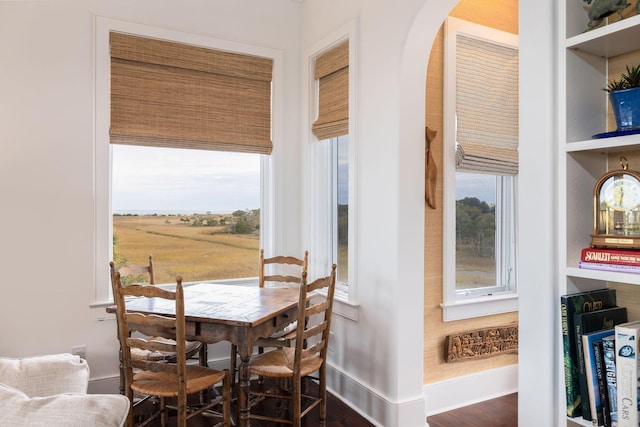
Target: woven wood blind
{"points": [[332, 70], [168, 94], [486, 106]]}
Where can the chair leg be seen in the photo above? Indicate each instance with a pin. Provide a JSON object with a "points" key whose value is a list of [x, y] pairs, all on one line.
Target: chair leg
{"points": [[130, 415], [226, 402], [233, 365], [203, 355], [322, 383], [203, 360], [164, 415], [260, 378], [296, 401]]}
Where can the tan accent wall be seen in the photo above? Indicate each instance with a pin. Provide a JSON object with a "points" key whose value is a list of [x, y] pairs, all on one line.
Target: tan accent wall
{"points": [[503, 15]]}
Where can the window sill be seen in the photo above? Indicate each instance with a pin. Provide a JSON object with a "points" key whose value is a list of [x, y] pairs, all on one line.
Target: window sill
{"points": [[481, 306], [99, 310], [342, 306]]}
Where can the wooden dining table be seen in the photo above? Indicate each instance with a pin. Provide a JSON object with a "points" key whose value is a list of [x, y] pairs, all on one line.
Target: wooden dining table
{"points": [[238, 314]]}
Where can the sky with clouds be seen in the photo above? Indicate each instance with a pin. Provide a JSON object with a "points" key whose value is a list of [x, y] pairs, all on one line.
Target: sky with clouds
{"points": [[476, 185], [165, 179], [190, 181]]}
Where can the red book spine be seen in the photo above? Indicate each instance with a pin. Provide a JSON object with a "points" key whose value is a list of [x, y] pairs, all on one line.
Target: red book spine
{"points": [[611, 256]]}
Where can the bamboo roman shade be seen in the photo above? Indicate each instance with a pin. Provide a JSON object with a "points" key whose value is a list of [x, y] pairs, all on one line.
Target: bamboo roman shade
{"points": [[332, 71], [168, 94], [486, 106]]}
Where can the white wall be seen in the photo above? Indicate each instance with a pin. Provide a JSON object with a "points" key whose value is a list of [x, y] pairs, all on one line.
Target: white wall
{"points": [[539, 350], [47, 148], [46, 176], [384, 348], [382, 351]]}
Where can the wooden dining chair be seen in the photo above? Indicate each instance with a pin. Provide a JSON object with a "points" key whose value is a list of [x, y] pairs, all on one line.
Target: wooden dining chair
{"points": [[130, 274], [286, 278], [283, 271], [160, 378], [140, 274], [295, 364]]}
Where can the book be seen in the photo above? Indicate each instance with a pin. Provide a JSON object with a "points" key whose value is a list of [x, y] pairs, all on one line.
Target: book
{"points": [[611, 256], [627, 335], [586, 323], [598, 352], [622, 268], [571, 304], [609, 356], [599, 399]]}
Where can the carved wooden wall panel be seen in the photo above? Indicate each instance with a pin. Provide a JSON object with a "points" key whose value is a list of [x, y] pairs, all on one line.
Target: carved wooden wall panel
{"points": [[485, 342]]}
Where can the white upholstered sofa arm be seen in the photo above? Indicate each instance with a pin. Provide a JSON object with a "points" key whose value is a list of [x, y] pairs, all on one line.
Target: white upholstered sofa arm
{"points": [[40, 376], [46, 391]]}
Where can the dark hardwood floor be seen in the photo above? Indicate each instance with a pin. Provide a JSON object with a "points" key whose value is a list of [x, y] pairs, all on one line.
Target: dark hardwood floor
{"points": [[500, 412], [338, 415]]}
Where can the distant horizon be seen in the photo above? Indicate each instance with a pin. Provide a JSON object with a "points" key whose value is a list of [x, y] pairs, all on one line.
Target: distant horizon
{"points": [[174, 211]]}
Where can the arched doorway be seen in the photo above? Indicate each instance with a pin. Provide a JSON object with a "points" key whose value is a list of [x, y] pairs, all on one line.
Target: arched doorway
{"points": [[414, 70]]}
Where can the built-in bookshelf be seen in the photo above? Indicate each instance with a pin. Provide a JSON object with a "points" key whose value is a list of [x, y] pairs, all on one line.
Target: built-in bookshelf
{"points": [[584, 61]]}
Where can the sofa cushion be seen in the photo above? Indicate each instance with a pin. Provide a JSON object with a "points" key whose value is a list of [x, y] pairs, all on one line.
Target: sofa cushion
{"points": [[45, 375], [62, 410]]}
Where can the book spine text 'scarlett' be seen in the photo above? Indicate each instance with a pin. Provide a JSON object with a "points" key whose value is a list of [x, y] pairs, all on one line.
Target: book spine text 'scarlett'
{"points": [[611, 256]]}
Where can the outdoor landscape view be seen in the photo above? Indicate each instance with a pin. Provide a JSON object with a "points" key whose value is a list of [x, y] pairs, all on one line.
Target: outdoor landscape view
{"points": [[195, 246], [195, 211], [475, 230], [475, 243]]}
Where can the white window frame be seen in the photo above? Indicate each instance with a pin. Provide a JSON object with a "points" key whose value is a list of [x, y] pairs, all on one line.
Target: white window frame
{"points": [[103, 231], [485, 301], [318, 214]]}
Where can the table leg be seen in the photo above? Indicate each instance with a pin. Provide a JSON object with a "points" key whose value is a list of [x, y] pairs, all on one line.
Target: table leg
{"points": [[243, 393]]}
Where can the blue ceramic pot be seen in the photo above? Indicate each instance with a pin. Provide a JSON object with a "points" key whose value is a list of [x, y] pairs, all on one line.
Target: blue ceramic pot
{"points": [[626, 108]]}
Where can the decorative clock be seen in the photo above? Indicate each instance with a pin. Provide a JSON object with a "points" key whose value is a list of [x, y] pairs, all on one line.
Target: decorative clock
{"points": [[616, 209]]}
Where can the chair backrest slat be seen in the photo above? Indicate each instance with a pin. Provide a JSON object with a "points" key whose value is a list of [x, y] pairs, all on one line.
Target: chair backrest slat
{"points": [[137, 273], [154, 345], [155, 320], [284, 263], [315, 308]]}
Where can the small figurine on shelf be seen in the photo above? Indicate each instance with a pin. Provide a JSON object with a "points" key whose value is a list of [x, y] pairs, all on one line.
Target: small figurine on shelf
{"points": [[601, 9]]}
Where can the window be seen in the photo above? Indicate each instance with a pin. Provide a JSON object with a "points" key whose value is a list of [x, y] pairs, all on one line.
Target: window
{"points": [[485, 230], [480, 174], [196, 211], [108, 128], [331, 158], [340, 207], [332, 229]]}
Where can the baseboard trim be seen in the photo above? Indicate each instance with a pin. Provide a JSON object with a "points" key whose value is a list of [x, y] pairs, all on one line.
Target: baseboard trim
{"points": [[469, 389], [375, 408]]}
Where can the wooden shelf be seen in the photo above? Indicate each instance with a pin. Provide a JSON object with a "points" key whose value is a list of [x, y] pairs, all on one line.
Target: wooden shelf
{"points": [[608, 276], [606, 145], [610, 40], [580, 421], [584, 60]]}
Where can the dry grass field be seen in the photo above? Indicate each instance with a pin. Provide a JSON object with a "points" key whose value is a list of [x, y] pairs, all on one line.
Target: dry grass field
{"points": [[195, 253], [473, 271]]}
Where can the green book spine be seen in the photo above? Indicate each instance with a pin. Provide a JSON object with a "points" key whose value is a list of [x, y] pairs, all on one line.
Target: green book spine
{"points": [[585, 323], [570, 305]]}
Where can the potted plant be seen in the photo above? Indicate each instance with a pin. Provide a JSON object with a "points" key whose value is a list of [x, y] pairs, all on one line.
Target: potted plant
{"points": [[624, 95]]}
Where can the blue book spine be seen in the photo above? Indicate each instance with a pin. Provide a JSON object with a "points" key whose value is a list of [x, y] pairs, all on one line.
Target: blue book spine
{"points": [[609, 347]]}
